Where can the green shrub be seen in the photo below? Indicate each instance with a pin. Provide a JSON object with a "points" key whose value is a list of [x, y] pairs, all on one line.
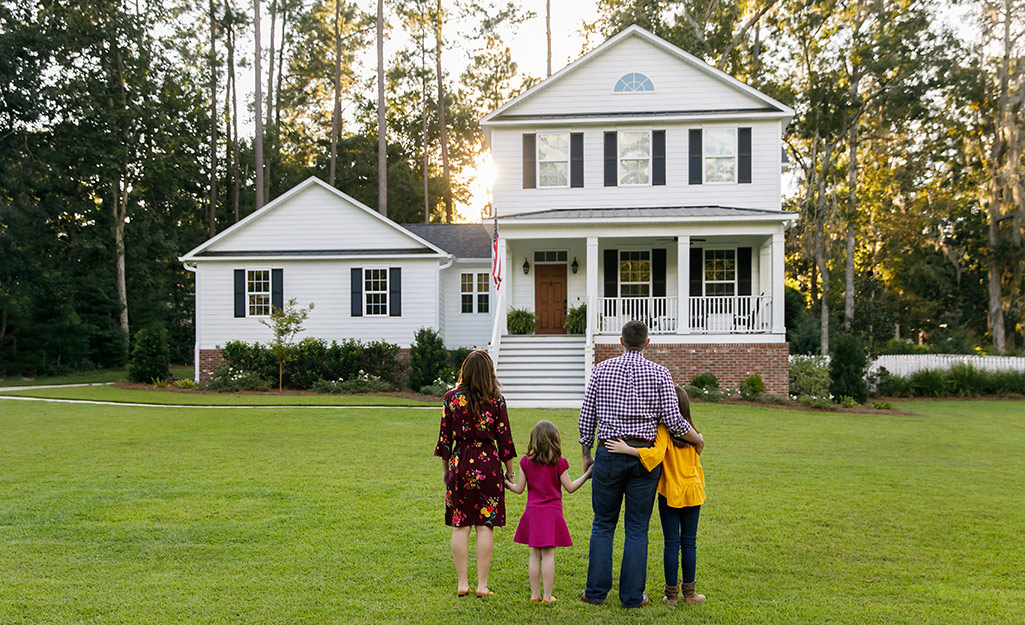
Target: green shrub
{"points": [[312, 359], [847, 365], [809, 375], [818, 403], [250, 381], [325, 387], [186, 383], [882, 405], [457, 356], [427, 357], [576, 320], [965, 380], [769, 398], [900, 346], [227, 380], [442, 385], [713, 394], [521, 321], [161, 382], [151, 356], [705, 381], [1007, 383], [364, 382], [222, 381], [848, 402], [927, 383], [241, 356], [752, 388]]}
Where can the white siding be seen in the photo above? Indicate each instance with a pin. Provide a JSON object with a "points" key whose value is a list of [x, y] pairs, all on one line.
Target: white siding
{"points": [[464, 329], [326, 284], [678, 85], [762, 192], [316, 219]]}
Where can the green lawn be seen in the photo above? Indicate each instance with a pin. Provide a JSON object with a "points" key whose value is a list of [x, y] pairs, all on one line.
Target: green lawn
{"points": [[86, 377], [135, 515], [139, 396]]}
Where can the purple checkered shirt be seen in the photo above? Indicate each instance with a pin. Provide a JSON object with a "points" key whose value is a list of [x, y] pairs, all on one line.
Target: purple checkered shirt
{"points": [[628, 396]]}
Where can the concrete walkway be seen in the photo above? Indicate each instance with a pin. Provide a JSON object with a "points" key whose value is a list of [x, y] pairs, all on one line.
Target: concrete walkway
{"points": [[30, 388]]}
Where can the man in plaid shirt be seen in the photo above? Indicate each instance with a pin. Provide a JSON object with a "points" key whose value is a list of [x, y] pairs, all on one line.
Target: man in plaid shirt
{"points": [[626, 397]]}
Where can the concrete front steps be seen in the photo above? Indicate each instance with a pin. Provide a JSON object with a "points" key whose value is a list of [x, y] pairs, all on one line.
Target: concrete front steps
{"points": [[542, 371]]}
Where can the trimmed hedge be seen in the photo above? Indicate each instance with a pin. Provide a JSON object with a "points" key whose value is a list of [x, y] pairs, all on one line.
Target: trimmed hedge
{"points": [[958, 381], [311, 360]]}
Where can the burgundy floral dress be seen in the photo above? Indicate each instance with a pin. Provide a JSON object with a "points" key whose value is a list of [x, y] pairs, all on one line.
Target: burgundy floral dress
{"points": [[474, 446]]}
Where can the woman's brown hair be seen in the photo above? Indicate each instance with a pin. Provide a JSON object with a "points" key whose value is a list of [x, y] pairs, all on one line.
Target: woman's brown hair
{"points": [[684, 399], [477, 380], [545, 446]]}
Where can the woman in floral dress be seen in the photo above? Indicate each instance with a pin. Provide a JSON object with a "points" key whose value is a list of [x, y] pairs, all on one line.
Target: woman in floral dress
{"points": [[474, 442]]}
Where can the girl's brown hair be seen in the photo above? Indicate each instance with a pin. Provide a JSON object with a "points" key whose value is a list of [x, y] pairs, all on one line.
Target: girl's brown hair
{"points": [[477, 379], [545, 446], [684, 399]]}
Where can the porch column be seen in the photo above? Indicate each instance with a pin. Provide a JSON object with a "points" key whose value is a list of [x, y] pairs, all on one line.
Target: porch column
{"points": [[778, 278], [683, 284], [592, 304]]}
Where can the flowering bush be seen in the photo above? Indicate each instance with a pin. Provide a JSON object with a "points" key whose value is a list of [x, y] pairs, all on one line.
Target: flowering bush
{"points": [[226, 379], [363, 383], [441, 385]]}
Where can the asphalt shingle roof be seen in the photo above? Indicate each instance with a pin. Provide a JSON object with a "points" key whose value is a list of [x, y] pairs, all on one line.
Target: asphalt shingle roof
{"points": [[460, 240]]}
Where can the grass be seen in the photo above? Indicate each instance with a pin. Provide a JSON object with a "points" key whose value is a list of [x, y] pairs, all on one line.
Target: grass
{"points": [[140, 396], [98, 376], [130, 515]]}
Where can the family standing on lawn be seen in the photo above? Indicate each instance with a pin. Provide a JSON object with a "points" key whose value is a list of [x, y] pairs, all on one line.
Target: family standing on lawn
{"points": [[646, 444]]}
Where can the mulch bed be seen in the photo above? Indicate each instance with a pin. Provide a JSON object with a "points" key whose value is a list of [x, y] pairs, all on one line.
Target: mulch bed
{"points": [[173, 388]]}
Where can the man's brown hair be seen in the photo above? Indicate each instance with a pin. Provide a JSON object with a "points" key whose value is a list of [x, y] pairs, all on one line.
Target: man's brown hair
{"points": [[635, 335]]}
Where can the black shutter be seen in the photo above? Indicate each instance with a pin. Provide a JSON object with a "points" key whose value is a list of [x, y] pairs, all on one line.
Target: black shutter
{"points": [[576, 159], [695, 156], [611, 158], [744, 155], [356, 274], [743, 271], [395, 292], [697, 271], [658, 273], [240, 292], [277, 289], [658, 154], [529, 161], [611, 273]]}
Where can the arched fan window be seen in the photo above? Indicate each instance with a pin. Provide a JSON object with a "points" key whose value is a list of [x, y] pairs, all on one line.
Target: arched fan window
{"points": [[632, 83]]}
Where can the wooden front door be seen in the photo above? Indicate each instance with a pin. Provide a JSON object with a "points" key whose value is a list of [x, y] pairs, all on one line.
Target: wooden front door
{"points": [[550, 298]]}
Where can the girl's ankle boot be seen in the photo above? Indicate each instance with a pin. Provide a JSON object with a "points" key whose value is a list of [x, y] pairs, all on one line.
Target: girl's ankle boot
{"points": [[690, 595], [672, 593]]}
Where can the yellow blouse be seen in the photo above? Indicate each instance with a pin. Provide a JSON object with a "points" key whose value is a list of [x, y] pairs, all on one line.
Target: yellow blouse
{"points": [[682, 482]]}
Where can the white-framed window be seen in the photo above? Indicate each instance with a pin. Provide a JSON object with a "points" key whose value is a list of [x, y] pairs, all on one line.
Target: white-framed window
{"points": [[634, 158], [553, 160], [375, 292], [258, 292], [635, 273], [721, 272], [720, 154], [633, 83], [475, 294]]}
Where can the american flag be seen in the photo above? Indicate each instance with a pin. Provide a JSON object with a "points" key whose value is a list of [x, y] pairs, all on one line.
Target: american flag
{"points": [[496, 260]]}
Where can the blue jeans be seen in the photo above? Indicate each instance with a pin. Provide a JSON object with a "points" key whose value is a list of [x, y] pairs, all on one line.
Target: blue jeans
{"points": [[617, 477], [680, 530]]}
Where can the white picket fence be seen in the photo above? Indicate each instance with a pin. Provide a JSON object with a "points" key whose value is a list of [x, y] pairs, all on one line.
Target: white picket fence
{"points": [[906, 364]]}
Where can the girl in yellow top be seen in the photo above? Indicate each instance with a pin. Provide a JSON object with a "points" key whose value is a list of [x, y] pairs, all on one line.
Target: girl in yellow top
{"points": [[681, 491]]}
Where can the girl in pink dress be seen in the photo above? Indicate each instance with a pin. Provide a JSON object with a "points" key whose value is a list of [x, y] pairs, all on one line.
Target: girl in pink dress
{"points": [[542, 526]]}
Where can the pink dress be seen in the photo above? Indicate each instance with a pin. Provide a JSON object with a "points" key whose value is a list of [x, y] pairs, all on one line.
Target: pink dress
{"points": [[542, 523]]}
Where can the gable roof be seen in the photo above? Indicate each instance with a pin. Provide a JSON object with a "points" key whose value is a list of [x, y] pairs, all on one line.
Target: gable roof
{"points": [[407, 242], [460, 240], [765, 105]]}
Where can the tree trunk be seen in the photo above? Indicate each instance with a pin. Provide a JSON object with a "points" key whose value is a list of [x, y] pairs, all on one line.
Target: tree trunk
{"points": [[336, 114], [442, 129], [820, 262], [423, 117], [281, 72], [382, 123], [258, 137], [120, 215], [212, 217], [233, 96], [270, 99], [852, 212], [548, 32]]}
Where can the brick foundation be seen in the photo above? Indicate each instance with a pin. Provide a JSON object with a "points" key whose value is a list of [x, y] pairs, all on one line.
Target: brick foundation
{"points": [[731, 363], [209, 359]]}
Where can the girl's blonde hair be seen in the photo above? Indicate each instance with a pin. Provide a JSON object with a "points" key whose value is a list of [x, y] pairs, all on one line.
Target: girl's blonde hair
{"points": [[545, 446], [684, 399], [477, 380]]}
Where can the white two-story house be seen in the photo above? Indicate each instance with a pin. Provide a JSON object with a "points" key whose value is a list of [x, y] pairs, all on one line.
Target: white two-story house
{"points": [[638, 181]]}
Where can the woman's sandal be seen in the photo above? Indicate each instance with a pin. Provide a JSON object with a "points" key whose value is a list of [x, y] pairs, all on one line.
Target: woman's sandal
{"points": [[552, 600], [462, 593], [486, 593]]}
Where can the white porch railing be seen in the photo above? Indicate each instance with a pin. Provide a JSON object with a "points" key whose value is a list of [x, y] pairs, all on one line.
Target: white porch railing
{"points": [[731, 314], [736, 314]]}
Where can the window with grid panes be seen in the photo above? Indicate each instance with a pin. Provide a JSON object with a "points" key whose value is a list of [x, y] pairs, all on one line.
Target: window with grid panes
{"points": [[720, 272], [473, 289], [635, 273], [258, 292], [483, 293], [634, 158], [375, 292], [720, 148], [553, 160]]}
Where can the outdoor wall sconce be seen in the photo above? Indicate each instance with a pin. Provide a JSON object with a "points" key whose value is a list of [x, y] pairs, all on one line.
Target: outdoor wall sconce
{"points": [[526, 266], [575, 266]]}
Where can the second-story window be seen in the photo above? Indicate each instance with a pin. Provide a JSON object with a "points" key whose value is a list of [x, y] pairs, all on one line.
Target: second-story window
{"points": [[720, 154], [553, 160], [634, 158]]}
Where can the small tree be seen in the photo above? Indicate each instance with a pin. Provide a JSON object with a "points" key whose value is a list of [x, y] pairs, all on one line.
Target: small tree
{"points": [[427, 358], [151, 356], [285, 324], [847, 365]]}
